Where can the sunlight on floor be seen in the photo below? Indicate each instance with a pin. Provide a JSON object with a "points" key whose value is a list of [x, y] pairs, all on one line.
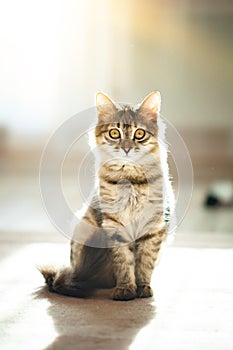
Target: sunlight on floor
{"points": [[192, 307], [193, 311], [26, 317], [38, 324]]}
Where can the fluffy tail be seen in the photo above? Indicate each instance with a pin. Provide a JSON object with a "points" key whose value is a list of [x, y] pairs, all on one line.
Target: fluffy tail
{"points": [[93, 272], [62, 281]]}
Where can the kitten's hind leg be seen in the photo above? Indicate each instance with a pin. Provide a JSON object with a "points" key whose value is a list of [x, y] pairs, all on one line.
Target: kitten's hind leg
{"points": [[63, 282]]}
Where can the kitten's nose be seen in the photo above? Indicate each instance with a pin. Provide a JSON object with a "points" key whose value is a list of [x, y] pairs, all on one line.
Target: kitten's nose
{"points": [[126, 145]]}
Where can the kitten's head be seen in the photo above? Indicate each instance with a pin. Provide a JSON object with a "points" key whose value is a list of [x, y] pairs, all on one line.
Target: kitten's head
{"points": [[124, 132]]}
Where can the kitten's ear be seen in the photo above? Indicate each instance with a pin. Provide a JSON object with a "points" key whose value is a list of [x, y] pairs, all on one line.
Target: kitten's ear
{"points": [[151, 104], [105, 107]]}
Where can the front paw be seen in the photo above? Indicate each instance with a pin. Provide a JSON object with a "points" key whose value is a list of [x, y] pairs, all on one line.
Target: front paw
{"points": [[144, 291], [124, 293]]}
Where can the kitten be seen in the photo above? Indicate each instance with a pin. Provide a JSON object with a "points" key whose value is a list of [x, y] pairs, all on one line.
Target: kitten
{"points": [[124, 226]]}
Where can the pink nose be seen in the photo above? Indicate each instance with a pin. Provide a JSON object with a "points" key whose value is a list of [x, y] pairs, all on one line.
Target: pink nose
{"points": [[126, 145], [126, 150]]}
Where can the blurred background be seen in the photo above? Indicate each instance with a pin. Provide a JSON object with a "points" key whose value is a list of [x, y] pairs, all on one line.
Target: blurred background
{"points": [[55, 55]]}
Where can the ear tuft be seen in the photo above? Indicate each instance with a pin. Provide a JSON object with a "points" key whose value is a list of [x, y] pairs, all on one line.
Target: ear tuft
{"points": [[105, 107], [151, 104]]}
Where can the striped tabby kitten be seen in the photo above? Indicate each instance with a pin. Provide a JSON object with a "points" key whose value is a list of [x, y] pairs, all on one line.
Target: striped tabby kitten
{"points": [[118, 240]]}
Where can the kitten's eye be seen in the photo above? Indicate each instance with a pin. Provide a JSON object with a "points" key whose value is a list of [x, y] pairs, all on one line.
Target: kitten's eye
{"points": [[114, 134], [139, 134]]}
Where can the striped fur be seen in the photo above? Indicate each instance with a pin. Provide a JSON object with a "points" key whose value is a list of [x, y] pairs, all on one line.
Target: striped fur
{"points": [[118, 241]]}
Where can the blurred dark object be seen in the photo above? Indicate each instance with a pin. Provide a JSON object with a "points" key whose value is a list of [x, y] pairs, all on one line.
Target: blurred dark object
{"points": [[211, 201], [220, 194]]}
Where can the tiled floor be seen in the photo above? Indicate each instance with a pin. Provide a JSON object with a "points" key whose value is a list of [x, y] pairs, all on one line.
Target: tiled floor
{"points": [[193, 285]]}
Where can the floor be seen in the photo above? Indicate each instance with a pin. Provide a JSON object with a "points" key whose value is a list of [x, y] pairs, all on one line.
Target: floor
{"points": [[193, 286]]}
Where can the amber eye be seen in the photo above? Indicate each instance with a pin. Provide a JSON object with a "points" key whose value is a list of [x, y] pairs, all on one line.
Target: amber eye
{"points": [[114, 134], [139, 134]]}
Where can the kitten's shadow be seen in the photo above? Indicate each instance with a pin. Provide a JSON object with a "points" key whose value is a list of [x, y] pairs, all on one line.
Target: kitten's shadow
{"points": [[98, 322]]}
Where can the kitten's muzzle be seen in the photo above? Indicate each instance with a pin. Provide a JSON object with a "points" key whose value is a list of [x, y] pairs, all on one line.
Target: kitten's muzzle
{"points": [[126, 145]]}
